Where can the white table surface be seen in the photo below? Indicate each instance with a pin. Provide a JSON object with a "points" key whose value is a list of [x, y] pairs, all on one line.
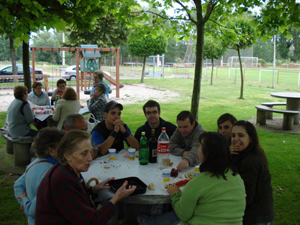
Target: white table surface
{"points": [[103, 168], [295, 95]]}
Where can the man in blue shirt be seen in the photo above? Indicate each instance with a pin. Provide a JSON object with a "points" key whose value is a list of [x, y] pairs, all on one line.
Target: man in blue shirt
{"points": [[112, 132]]}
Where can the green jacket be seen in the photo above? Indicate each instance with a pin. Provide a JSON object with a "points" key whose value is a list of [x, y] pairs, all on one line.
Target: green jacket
{"points": [[209, 200]]}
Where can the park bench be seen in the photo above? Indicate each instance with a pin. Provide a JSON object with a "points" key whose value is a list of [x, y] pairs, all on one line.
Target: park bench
{"points": [[288, 116], [271, 104], [20, 147]]}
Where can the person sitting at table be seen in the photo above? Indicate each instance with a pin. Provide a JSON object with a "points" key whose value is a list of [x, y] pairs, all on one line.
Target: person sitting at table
{"points": [[20, 115], [45, 145], [37, 96], [111, 132], [77, 122], [69, 104], [253, 167], [97, 102], [215, 196], [152, 113], [185, 140], [98, 79], [61, 86], [225, 123], [62, 195]]}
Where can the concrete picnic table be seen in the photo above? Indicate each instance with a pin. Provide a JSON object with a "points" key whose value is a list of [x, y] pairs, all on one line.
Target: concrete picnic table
{"points": [[292, 102]]}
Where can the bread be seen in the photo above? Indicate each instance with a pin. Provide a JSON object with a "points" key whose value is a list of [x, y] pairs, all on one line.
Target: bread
{"points": [[151, 186]]}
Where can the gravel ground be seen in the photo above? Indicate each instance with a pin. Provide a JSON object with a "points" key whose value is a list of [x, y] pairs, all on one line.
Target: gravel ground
{"points": [[129, 94]]}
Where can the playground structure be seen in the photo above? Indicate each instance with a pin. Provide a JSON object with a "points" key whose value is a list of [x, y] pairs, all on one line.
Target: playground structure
{"points": [[83, 80]]}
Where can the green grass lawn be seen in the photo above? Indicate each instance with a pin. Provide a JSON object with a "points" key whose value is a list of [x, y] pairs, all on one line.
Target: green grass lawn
{"points": [[282, 150]]}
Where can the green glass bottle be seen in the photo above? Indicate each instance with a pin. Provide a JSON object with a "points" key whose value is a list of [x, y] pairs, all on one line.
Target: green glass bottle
{"points": [[144, 153]]}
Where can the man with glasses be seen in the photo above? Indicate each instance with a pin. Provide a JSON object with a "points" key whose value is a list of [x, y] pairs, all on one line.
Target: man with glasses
{"points": [[154, 121], [98, 79]]}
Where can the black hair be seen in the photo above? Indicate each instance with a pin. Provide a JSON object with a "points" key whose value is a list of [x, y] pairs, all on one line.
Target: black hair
{"points": [[183, 115], [151, 103], [226, 116], [217, 156], [254, 144]]}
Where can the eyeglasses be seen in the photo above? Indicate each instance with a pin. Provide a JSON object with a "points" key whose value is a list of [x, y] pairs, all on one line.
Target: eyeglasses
{"points": [[153, 112]]}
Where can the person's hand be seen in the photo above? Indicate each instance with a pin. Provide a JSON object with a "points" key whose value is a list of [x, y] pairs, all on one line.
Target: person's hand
{"points": [[92, 96], [234, 150], [185, 153], [122, 192], [24, 195], [184, 164], [117, 128], [102, 185], [22, 208], [173, 188]]}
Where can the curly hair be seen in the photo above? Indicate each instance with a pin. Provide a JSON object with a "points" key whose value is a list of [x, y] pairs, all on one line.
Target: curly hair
{"points": [[19, 91], [36, 84], [48, 137]]}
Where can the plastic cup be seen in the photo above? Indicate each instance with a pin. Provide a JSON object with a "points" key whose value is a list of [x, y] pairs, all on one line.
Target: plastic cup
{"points": [[131, 152], [112, 153], [166, 173], [197, 170]]}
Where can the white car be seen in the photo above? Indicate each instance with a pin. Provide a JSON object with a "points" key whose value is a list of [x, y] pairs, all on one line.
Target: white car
{"points": [[70, 73]]}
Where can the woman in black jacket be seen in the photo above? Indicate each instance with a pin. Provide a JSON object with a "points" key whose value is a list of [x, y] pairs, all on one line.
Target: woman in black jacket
{"points": [[253, 167]]}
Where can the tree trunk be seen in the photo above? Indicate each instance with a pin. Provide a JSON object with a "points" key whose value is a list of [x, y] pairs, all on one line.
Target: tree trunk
{"points": [[12, 56], [198, 66], [212, 72], [26, 71], [242, 77], [143, 70]]}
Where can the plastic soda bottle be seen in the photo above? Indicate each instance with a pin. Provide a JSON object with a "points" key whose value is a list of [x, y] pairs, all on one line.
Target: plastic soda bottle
{"points": [[152, 147], [143, 154], [163, 142]]}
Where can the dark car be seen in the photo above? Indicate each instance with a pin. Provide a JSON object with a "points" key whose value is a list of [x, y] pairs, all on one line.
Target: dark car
{"points": [[8, 71]]}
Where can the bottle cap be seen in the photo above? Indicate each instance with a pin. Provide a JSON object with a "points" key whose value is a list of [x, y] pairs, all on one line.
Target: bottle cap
{"points": [[143, 133]]}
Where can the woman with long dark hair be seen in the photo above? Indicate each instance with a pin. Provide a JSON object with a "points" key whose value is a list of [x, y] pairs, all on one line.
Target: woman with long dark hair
{"points": [[253, 167]]}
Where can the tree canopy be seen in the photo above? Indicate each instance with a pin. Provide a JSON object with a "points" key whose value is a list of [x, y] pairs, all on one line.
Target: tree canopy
{"points": [[144, 47]]}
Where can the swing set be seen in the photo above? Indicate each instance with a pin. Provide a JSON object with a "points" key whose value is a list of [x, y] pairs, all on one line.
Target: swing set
{"points": [[77, 51]]}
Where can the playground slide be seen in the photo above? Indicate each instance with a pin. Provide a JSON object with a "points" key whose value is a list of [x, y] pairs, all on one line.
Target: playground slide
{"points": [[111, 80]]}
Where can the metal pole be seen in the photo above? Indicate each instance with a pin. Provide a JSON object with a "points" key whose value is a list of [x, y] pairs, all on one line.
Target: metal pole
{"points": [[274, 60]]}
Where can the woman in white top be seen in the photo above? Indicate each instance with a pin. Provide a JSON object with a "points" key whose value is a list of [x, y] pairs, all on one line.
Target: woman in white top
{"points": [[37, 96], [67, 105]]}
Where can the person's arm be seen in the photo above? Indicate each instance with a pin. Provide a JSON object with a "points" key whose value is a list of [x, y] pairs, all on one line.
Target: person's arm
{"points": [[175, 144], [137, 134], [54, 94], [192, 156], [103, 145], [184, 203], [57, 111], [19, 187], [29, 116], [72, 202], [130, 140]]}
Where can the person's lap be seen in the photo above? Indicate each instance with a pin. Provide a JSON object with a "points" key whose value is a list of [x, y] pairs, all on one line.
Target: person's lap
{"points": [[32, 133]]}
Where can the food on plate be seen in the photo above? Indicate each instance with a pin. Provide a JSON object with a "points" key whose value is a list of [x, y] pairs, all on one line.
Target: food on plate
{"points": [[189, 175], [167, 162], [166, 186], [151, 186], [182, 183], [174, 172]]}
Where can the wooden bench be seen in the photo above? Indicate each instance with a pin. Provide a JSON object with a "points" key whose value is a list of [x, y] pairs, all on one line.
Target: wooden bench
{"points": [[288, 116], [20, 147], [271, 104]]}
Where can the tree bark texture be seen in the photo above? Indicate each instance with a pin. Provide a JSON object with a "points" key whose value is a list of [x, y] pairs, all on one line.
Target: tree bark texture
{"points": [[26, 71], [143, 71], [242, 77], [12, 56], [212, 72]]}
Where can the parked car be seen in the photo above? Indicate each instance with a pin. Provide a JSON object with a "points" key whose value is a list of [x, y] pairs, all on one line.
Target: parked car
{"points": [[8, 71], [70, 73]]}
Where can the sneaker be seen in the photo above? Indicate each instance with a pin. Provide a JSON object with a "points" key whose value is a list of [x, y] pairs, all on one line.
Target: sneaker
{"points": [[141, 219], [157, 210]]}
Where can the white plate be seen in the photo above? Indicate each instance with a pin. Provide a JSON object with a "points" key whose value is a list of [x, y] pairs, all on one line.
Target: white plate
{"points": [[186, 175], [165, 187]]}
